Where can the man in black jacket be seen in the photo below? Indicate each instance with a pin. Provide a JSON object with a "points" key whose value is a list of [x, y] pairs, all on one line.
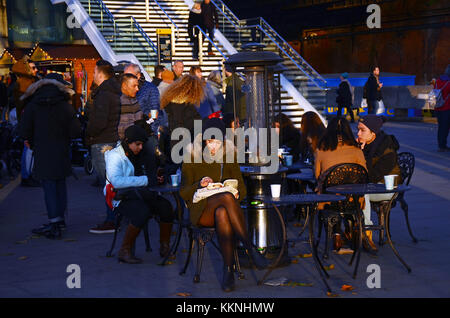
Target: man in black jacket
{"points": [[372, 90], [48, 124], [344, 97], [101, 131], [210, 19]]}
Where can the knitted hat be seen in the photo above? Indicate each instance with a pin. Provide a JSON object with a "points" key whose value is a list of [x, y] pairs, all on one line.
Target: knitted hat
{"points": [[214, 123], [135, 133], [167, 76], [344, 75], [57, 77], [373, 122]]}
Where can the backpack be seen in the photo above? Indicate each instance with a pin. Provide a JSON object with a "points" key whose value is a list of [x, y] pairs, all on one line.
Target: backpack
{"points": [[435, 97]]}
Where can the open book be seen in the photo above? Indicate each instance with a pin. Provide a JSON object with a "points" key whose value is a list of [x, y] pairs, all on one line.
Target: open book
{"points": [[229, 185]]}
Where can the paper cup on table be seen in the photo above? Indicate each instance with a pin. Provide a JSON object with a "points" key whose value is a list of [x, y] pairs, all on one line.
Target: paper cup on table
{"points": [[288, 160], [153, 113], [276, 190], [174, 180], [389, 181]]}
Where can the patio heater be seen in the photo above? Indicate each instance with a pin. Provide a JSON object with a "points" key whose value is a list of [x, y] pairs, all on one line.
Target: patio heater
{"points": [[261, 70]]}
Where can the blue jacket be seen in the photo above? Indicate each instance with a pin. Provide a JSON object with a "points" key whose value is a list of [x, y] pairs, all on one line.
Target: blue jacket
{"points": [[120, 171], [209, 103], [148, 97]]}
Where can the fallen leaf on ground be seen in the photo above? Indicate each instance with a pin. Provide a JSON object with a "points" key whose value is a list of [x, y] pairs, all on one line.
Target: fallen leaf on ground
{"points": [[174, 233], [354, 294], [332, 294], [169, 263], [184, 250], [172, 257], [344, 251], [327, 268], [347, 287], [298, 225], [294, 261], [295, 284], [303, 255], [22, 258], [183, 294], [22, 242]]}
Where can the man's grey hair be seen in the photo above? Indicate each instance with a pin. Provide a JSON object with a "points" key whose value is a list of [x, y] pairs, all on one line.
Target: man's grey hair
{"points": [[134, 67], [216, 77], [178, 61]]}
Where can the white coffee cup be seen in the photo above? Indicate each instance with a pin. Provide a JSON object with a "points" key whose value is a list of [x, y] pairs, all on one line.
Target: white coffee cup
{"points": [[389, 181], [153, 113], [276, 190]]}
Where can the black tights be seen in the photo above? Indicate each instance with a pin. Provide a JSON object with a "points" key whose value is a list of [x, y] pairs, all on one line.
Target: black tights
{"points": [[223, 212]]}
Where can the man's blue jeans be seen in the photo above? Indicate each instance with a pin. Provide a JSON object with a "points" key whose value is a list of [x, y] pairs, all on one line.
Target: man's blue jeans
{"points": [[55, 194], [98, 161]]}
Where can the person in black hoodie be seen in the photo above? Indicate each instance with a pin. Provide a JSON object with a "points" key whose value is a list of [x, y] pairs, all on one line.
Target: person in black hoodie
{"points": [[102, 127], [344, 97], [210, 19], [48, 124], [195, 18]]}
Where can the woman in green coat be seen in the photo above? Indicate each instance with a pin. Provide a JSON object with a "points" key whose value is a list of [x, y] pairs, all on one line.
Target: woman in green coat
{"points": [[223, 210]]}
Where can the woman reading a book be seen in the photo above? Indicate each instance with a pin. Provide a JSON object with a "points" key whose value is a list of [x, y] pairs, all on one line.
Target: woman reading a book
{"points": [[220, 210]]}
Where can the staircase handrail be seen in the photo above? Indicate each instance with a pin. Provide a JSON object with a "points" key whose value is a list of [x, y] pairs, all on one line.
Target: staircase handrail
{"points": [[238, 24], [173, 23], [144, 34], [211, 41]]}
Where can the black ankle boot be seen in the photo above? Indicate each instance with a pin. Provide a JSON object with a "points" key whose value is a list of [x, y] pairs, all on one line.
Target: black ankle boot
{"points": [[228, 279], [258, 260], [54, 232]]}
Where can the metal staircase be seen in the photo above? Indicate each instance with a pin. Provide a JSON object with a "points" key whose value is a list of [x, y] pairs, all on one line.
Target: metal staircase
{"points": [[129, 28]]}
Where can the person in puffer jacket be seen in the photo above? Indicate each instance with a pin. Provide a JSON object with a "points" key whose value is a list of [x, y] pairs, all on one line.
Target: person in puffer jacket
{"points": [[126, 167]]}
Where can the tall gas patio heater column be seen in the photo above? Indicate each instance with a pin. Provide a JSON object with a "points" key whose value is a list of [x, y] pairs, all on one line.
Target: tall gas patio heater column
{"points": [[261, 71]]}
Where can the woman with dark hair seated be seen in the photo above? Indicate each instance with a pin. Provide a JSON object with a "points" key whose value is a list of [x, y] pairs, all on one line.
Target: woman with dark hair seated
{"points": [[311, 131], [290, 135], [337, 146], [222, 210], [126, 167]]}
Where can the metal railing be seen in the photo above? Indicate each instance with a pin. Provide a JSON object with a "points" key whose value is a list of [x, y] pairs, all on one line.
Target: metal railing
{"points": [[264, 27], [117, 33], [173, 23], [200, 45]]}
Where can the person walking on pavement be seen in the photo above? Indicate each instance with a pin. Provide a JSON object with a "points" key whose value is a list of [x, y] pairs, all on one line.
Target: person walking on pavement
{"points": [[48, 124], [102, 128], [443, 112], [210, 20], [344, 97], [372, 90]]}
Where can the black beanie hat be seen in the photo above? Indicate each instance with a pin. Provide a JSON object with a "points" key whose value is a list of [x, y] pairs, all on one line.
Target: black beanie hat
{"points": [[214, 123], [373, 122], [135, 133]]}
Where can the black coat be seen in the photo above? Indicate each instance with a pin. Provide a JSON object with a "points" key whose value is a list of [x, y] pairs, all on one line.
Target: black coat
{"points": [[194, 19], [49, 122], [182, 115], [344, 95], [371, 91], [210, 17], [104, 114]]}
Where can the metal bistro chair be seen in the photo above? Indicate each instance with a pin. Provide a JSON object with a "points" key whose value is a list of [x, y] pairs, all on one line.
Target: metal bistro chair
{"points": [[406, 162], [119, 218], [346, 173], [201, 236]]}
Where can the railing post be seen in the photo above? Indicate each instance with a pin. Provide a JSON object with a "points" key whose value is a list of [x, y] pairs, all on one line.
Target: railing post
{"points": [[200, 48], [172, 40], [89, 7], [147, 10], [224, 75], [101, 16]]}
